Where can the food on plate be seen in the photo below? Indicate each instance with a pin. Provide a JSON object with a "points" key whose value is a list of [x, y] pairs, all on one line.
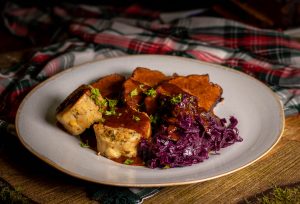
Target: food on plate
{"points": [[120, 134], [79, 110], [141, 84], [148, 77], [149, 118], [133, 93], [185, 134], [207, 93], [110, 85]]}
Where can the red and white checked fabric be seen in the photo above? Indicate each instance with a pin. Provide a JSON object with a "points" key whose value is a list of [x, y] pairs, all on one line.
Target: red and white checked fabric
{"points": [[102, 32]]}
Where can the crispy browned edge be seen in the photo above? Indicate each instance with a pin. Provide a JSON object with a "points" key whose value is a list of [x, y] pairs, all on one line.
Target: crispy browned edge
{"points": [[148, 76], [109, 85], [213, 95], [73, 97]]}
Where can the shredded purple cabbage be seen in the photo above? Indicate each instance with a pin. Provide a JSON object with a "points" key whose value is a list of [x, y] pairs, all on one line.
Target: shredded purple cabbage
{"points": [[185, 134]]}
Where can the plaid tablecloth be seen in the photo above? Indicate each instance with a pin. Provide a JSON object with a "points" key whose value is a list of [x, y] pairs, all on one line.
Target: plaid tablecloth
{"points": [[100, 32]]}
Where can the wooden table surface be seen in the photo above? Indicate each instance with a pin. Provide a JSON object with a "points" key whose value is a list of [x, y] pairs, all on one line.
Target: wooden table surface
{"points": [[44, 184]]}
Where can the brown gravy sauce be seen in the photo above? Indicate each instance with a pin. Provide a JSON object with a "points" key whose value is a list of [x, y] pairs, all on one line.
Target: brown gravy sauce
{"points": [[125, 118], [88, 137]]}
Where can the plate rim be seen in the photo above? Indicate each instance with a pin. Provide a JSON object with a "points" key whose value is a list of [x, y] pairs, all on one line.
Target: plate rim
{"points": [[79, 176]]}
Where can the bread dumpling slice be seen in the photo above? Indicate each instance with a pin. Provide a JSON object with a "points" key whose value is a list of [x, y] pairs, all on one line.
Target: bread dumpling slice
{"points": [[79, 110], [119, 134]]}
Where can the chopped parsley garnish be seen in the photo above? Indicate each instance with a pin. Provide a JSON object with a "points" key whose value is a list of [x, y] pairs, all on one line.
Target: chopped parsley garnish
{"points": [[176, 99], [84, 145], [167, 167], [112, 103], [103, 103], [95, 91], [136, 118], [128, 161], [150, 92], [112, 106], [95, 95], [111, 112], [134, 92], [153, 119]]}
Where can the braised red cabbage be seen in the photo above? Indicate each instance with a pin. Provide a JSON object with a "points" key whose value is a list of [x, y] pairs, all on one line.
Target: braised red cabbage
{"points": [[185, 135]]}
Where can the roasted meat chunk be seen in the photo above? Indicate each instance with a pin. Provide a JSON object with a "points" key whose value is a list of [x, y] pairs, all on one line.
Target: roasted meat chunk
{"points": [[110, 85], [207, 93], [148, 77], [165, 89], [140, 85], [133, 93]]}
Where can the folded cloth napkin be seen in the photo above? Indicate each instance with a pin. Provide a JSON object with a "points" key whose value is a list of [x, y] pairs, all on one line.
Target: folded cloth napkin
{"points": [[101, 32]]}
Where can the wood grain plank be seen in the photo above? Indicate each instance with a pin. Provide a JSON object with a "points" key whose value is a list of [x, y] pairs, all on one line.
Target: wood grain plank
{"points": [[292, 128], [36, 179]]}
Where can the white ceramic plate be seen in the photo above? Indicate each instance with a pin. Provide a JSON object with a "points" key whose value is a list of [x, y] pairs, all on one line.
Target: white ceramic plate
{"points": [[258, 110]]}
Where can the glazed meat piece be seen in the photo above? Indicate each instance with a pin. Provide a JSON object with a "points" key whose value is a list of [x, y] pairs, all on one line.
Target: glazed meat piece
{"points": [[165, 89], [120, 134], [168, 89], [110, 86], [79, 111], [133, 93], [148, 77], [207, 93], [137, 87]]}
